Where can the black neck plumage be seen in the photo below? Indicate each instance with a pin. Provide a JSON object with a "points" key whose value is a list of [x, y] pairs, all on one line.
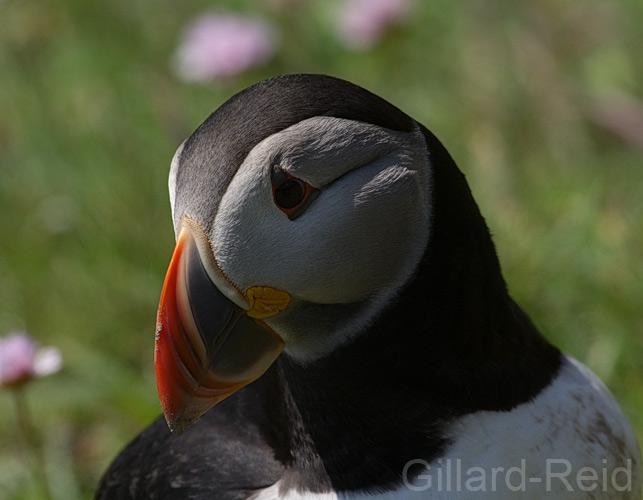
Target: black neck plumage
{"points": [[453, 343]]}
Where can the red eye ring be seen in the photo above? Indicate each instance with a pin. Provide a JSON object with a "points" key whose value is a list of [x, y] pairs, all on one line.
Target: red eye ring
{"points": [[291, 195]]}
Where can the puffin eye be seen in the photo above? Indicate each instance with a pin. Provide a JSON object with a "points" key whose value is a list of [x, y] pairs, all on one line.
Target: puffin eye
{"points": [[291, 195]]}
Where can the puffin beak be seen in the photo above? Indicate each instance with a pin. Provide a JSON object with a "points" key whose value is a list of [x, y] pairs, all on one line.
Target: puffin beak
{"points": [[210, 340]]}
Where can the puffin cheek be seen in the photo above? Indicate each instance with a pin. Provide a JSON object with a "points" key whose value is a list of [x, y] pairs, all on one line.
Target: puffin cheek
{"points": [[374, 249], [393, 231]]}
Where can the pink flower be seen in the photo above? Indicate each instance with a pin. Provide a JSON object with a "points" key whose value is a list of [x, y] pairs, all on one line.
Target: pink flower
{"points": [[21, 360], [363, 22], [223, 45]]}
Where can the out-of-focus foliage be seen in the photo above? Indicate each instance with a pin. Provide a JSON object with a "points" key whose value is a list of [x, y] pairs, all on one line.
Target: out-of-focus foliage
{"points": [[539, 103]]}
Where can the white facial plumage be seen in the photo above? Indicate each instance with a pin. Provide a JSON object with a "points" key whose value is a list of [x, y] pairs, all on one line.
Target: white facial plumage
{"points": [[354, 246], [174, 170]]}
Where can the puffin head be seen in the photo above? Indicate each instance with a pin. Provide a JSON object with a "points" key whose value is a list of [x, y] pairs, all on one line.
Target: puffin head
{"points": [[302, 206]]}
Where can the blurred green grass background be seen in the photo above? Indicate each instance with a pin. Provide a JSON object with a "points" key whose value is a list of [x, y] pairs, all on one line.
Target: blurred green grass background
{"points": [[536, 101]]}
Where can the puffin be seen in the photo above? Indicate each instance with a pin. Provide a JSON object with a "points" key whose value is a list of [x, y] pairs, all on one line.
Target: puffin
{"points": [[334, 324]]}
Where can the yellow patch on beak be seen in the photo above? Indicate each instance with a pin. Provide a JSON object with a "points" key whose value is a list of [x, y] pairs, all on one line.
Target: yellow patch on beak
{"points": [[266, 301]]}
